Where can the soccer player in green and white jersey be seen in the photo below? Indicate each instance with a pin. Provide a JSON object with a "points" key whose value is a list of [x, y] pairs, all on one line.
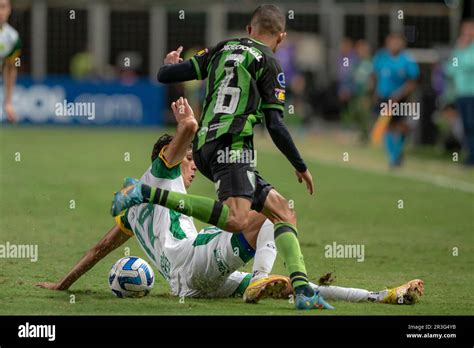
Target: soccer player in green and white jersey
{"points": [[10, 49], [205, 264], [245, 84]]}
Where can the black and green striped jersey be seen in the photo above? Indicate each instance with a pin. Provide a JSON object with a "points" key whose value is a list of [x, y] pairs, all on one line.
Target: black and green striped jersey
{"points": [[243, 78]]}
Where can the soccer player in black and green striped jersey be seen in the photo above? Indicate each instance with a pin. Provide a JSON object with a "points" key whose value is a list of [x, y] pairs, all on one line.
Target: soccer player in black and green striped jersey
{"points": [[245, 85]]}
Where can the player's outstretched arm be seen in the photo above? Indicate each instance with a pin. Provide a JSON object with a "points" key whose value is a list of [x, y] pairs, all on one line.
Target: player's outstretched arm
{"points": [[175, 70], [187, 127], [284, 142], [111, 241]]}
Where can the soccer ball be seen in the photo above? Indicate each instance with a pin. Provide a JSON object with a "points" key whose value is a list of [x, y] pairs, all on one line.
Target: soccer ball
{"points": [[131, 277]]}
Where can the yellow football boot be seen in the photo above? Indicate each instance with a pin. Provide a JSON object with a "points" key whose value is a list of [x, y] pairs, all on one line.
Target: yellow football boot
{"points": [[408, 293], [273, 286]]}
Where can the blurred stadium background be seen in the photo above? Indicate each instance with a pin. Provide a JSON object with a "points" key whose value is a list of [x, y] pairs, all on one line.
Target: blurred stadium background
{"points": [[109, 51]]}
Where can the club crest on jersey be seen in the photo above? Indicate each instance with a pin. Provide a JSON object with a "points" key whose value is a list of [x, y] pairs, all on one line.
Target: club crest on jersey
{"points": [[202, 52], [281, 79], [280, 94]]}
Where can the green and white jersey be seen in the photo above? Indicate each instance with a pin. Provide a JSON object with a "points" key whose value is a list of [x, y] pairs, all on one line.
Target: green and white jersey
{"points": [[243, 78], [194, 264], [10, 44], [162, 233]]}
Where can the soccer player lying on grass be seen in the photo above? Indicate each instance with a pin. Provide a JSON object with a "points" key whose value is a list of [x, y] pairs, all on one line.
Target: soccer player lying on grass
{"points": [[195, 264], [205, 264], [245, 83]]}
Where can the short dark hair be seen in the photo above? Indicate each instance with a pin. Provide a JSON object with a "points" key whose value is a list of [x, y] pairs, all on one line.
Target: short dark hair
{"points": [[165, 139], [268, 19]]}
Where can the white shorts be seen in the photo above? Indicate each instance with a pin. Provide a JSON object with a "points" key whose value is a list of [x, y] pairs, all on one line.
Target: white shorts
{"points": [[210, 270], [204, 265]]}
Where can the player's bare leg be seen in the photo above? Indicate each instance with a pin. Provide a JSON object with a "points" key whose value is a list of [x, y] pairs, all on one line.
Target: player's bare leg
{"points": [[238, 215], [277, 210], [254, 228]]}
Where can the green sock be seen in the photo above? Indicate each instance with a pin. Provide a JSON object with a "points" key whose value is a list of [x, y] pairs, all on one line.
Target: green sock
{"points": [[289, 248], [202, 208]]}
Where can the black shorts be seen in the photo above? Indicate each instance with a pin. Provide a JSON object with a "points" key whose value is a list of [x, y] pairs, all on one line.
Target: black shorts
{"points": [[232, 171]]}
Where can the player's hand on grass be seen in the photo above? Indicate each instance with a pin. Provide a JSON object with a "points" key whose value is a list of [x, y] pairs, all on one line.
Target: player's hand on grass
{"points": [[173, 57], [182, 111], [307, 178], [50, 286]]}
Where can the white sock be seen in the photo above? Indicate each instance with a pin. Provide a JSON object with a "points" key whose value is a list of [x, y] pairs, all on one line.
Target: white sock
{"points": [[377, 296], [330, 292], [266, 252], [265, 256]]}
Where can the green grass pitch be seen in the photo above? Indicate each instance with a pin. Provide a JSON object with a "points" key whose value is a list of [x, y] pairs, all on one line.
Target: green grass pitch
{"points": [[356, 203]]}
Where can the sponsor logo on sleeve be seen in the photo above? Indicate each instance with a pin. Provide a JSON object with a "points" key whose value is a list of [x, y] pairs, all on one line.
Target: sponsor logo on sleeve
{"points": [[202, 52], [281, 80], [280, 94]]}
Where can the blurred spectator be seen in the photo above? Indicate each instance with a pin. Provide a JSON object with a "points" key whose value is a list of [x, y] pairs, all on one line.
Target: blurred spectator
{"points": [[301, 110], [358, 110], [82, 66], [296, 84], [286, 57], [396, 73], [346, 62], [461, 69], [127, 65], [451, 129]]}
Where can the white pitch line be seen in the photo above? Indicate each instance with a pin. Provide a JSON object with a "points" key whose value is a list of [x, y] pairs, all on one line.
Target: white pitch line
{"points": [[434, 179], [439, 180]]}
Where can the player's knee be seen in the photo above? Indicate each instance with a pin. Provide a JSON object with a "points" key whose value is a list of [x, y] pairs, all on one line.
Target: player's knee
{"points": [[287, 215], [279, 209], [236, 223]]}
